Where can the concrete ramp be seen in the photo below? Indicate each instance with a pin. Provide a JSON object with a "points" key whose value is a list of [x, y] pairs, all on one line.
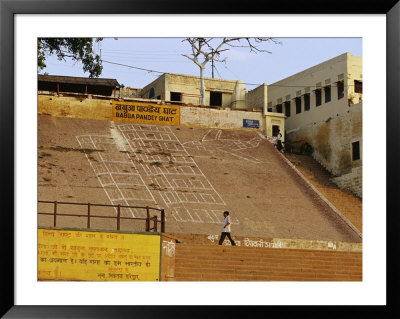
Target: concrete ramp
{"points": [[193, 173]]}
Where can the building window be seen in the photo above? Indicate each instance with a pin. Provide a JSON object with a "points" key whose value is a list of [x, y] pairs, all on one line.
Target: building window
{"points": [[318, 99], [306, 102], [151, 93], [357, 86], [279, 108], [356, 150], [175, 96], [215, 98], [298, 105], [287, 108], [327, 91], [340, 89]]}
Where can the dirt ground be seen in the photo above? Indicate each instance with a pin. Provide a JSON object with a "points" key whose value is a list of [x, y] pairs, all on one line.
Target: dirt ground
{"points": [[193, 173]]}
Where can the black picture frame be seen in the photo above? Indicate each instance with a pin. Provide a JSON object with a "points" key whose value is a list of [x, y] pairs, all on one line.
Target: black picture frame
{"points": [[8, 10]]}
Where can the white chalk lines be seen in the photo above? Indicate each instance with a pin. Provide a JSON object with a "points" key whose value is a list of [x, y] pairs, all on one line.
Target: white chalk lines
{"points": [[116, 173], [155, 169], [213, 140]]}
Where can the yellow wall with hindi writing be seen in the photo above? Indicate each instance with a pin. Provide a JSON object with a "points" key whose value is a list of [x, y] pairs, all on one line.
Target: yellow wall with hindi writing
{"points": [[98, 256], [148, 113]]}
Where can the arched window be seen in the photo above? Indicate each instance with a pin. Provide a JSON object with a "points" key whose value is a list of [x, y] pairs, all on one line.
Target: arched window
{"points": [[152, 93]]}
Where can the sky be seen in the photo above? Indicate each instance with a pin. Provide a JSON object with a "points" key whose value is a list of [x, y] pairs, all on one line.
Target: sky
{"points": [[164, 55]]}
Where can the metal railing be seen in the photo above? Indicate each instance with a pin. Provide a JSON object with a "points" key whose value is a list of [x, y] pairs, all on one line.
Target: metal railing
{"points": [[147, 220]]}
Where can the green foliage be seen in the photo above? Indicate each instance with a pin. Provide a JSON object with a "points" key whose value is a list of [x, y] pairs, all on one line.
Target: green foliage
{"points": [[78, 49]]}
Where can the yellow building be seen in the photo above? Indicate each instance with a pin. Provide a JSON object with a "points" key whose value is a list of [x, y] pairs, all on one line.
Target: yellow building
{"points": [[186, 89], [219, 93]]}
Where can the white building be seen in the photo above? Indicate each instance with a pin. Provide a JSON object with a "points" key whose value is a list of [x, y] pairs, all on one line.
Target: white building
{"points": [[323, 109]]}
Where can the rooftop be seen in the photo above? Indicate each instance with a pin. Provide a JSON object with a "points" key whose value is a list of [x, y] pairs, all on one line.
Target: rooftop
{"points": [[78, 80]]}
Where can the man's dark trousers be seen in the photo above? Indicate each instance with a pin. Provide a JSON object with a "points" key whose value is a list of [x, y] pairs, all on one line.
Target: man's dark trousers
{"points": [[225, 234]]}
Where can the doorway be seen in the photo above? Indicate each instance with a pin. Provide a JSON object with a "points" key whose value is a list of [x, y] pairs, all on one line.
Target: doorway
{"points": [[275, 130]]}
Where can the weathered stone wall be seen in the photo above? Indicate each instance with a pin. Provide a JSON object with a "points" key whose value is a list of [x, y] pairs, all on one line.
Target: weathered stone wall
{"points": [[159, 89], [331, 141], [257, 98], [224, 118], [78, 106], [351, 182], [129, 93]]}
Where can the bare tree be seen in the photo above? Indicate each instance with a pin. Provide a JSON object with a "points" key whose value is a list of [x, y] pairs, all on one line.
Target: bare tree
{"points": [[205, 50]]}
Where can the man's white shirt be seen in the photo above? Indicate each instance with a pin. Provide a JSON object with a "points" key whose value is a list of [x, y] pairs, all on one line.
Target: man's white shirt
{"points": [[227, 229]]}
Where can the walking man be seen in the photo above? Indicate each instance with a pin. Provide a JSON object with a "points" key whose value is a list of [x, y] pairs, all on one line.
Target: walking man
{"points": [[226, 230]]}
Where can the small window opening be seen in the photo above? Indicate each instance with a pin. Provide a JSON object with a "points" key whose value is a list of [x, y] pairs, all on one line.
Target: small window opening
{"points": [[298, 105], [340, 89], [287, 108], [357, 86], [356, 150], [306, 102], [175, 96], [327, 90], [215, 98], [318, 99], [151, 93], [279, 108]]}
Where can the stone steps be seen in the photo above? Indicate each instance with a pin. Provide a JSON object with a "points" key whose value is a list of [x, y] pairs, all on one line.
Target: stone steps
{"points": [[349, 205], [281, 276], [226, 263]]}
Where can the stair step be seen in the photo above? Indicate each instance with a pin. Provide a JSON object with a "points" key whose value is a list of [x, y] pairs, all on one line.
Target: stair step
{"points": [[268, 267], [226, 275], [211, 262]]}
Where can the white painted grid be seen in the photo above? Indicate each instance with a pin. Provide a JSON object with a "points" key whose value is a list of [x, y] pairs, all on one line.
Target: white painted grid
{"points": [[114, 170], [184, 186], [165, 163]]}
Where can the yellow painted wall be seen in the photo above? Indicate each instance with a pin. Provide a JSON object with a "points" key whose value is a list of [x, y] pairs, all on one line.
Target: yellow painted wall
{"points": [[149, 113], [98, 256], [190, 87], [75, 107], [274, 119], [227, 118], [99, 109], [354, 72]]}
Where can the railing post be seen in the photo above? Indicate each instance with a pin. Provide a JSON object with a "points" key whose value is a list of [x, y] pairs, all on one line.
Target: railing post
{"points": [[155, 223], [147, 219], [162, 221], [55, 214], [88, 214], [118, 217]]}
